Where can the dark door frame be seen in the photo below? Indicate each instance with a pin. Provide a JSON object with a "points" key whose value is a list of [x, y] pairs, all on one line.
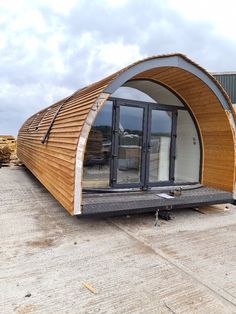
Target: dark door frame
{"points": [[117, 102], [172, 152], [185, 108], [145, 153]]}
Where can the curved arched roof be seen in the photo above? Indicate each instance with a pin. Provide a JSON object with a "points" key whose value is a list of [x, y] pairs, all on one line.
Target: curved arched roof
{"points": [[66, 124], [172, 60]]}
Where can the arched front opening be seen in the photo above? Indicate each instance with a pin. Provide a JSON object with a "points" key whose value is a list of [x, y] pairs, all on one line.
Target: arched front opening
{"points": [[209, 107], [144, 136]]}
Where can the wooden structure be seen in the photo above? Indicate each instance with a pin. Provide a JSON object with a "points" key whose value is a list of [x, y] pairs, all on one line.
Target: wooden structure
{"points": [[9, 141], [52, 143]]}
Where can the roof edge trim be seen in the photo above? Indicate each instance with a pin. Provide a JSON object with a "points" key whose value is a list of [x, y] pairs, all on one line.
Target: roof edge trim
{"points": [[178, 61]]}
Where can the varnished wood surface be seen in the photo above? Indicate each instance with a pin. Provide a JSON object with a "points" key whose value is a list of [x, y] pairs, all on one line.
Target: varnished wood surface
{"points": [[53, 163], [216, 133]]}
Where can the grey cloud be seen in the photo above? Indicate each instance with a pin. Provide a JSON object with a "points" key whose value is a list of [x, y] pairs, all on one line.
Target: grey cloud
{"points": [[34, 79]]}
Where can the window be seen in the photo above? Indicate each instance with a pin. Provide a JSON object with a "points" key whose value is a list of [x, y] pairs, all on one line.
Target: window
{"points": [[98, 150], [187, 163], [132, 93]]}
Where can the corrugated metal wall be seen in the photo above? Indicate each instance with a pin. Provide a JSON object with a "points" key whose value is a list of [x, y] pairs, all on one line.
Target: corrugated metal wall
{"points": [[228, 81]]}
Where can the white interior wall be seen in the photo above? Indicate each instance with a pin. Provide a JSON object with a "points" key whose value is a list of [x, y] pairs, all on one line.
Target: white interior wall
{"points": [[163, 173], [187, 161], [187, 164], [159, 93]]}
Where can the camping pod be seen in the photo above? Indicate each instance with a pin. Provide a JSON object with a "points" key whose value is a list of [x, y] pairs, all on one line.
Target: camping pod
{"points": [[122, 144]]}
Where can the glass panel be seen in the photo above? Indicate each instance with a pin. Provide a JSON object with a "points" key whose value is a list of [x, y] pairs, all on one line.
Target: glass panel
{"points": [[130, 144], [158, 93], [160, 140], [132, 93], [98, 150], [187, 163]]}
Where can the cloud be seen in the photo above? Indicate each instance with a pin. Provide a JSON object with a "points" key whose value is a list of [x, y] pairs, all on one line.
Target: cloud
{"points": [[48, 49]]}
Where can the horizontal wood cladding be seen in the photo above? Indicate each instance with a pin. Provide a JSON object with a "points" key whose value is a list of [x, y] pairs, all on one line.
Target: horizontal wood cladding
{"points": [[217, 136], [53, 163]]}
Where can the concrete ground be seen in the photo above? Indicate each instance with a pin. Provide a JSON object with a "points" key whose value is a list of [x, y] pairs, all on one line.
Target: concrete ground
{"points": [[51, 262]]}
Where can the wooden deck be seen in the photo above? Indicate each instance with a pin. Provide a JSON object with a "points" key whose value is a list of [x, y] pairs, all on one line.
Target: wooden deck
{"points": [[144, 201]]}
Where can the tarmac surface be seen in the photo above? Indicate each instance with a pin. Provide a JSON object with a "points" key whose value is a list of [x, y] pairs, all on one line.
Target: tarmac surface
{"points": [[51, 262]]}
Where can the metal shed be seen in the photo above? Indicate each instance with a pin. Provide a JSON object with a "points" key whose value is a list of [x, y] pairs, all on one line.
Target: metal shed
{"points": [[228, 81], [115, 145]]}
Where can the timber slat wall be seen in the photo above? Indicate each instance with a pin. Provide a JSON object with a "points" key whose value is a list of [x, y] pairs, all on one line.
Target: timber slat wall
{"points": [[217, 136], [53, 163]]}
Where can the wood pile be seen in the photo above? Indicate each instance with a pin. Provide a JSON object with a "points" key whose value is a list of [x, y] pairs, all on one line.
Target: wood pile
{"points": [[5, 155]]}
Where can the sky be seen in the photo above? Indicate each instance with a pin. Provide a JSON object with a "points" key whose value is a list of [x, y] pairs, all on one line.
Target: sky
{"points": [[50, 48]]}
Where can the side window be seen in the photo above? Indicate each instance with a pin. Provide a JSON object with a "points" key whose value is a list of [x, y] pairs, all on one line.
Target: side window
{"points": [[98, 150]]}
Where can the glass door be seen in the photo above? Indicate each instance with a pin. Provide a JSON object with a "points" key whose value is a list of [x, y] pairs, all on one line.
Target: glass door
{"points": [[143, 145], [161, 146], [129, 143]]}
